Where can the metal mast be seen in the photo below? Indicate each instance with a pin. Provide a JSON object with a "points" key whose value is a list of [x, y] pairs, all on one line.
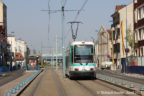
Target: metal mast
{"points": [[63, 47]]}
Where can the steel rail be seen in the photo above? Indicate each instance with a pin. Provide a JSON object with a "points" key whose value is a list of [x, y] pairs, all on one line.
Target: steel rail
{"points": [[122, 87], [100, 83], [86, 88], [60, 88], [37, 84], [19, 94]]}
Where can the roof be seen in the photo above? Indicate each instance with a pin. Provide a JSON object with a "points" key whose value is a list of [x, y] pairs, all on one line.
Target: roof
{"points": [[118, 7], [110, 33], [18, 56], [81, 42]]}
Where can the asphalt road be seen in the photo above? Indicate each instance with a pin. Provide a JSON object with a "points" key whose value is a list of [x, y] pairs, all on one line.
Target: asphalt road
{"points": [[52, 83]]}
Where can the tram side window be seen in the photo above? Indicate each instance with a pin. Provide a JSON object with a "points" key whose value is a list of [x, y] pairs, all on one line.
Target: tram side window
{"points": [[72, 56]]}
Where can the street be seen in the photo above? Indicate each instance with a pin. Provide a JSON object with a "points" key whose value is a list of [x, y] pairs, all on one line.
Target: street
{"points": [[71, 47], [52, 83]]}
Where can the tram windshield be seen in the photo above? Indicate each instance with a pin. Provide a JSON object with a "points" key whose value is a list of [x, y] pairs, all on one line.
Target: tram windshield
{"points": [[83, 54]]}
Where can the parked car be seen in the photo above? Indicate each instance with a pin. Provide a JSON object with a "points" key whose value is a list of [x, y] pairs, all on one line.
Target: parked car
{"points": [[106, 65]]}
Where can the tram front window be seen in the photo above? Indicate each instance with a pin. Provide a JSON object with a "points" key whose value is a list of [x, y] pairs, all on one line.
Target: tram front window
{"points": [[83, 54]]}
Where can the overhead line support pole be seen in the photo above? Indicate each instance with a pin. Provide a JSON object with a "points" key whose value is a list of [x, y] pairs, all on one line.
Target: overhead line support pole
{"points": [[63, 47]]}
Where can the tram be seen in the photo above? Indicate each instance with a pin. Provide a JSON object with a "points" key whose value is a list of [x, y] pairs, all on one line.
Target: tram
{"points": [[80, 59]]}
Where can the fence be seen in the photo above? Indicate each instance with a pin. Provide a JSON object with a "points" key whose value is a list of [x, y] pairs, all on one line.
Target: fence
{"points": [[135, 61], [134, 65]]}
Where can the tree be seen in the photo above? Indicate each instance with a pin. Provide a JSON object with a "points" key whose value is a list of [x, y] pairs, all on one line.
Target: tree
{"points": [[131, 39]]}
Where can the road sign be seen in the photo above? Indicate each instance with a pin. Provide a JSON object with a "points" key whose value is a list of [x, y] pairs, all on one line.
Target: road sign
{"points": [[126, 50]]}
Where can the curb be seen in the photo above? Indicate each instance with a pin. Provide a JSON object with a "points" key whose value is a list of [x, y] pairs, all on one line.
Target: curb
{"points": [[123, 84], [16, 91]]}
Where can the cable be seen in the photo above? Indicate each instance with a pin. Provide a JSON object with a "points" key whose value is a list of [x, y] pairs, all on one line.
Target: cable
{"points": [[80, 10], [78, 13], [65, 3], [49, 18]]}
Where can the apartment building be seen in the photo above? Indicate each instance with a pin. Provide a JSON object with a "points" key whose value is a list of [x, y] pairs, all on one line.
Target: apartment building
{"points": [[122, 21], [139, 27], [103, 45], [19, 50]]}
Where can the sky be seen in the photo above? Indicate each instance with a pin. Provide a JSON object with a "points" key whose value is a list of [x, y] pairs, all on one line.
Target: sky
{"points": [[29, 23]]}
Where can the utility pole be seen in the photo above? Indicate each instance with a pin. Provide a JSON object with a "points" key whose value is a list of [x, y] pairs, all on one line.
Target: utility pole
{"points": [[41, 54], [63, 47], [126, 43], [62, 33], [56, 54]]}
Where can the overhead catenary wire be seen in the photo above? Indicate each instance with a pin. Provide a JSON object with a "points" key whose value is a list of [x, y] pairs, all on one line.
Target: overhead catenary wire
{"points": [[49, 18], [78, 13], [84, 4]]}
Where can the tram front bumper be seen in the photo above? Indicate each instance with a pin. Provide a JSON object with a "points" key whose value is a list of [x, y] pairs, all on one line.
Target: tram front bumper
{"points": [[82, 73]]}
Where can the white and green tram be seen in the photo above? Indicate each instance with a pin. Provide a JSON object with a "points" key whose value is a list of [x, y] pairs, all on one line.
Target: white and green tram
{"points": [[80, 59]]}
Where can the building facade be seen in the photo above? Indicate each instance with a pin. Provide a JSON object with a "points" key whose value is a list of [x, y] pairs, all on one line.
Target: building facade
{"points": [[3, 34], [122, 22], [19, 50], [139, 26], [103, 45]]}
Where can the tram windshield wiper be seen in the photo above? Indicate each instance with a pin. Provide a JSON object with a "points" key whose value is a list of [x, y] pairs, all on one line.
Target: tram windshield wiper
{"points": [[87, 62], [81, 63]]}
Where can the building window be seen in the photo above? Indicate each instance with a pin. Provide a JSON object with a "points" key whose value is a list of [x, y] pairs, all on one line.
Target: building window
{"points": [[118, 34], [113, 35], [136, 36], [140, 34], [117, 48], [143, 33], [136, 53], [141, 51], [141, 13]]}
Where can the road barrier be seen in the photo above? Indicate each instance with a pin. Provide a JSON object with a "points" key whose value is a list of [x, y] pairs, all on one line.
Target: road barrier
{"points": [[21, 85]]}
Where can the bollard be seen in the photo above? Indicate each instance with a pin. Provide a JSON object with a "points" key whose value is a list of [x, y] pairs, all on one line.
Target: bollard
{"points": [[18, 87], [8, 93], [13, 91], [117, 81], [21, 85], [103, 77], [131, 85], [106, 78], [123, 83], [111, 80], [142, 88]]}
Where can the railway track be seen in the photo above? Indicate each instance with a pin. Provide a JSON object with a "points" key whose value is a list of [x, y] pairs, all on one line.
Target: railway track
{"points": [[59, 85], [89, 87], [93, 93], [105, 85], [32, 93], [114, 89], [38, 82]]}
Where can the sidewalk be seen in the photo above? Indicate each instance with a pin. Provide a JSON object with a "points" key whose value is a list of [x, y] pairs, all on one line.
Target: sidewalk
{"points": [[127, 80], [137, 78], [13, 83]]}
